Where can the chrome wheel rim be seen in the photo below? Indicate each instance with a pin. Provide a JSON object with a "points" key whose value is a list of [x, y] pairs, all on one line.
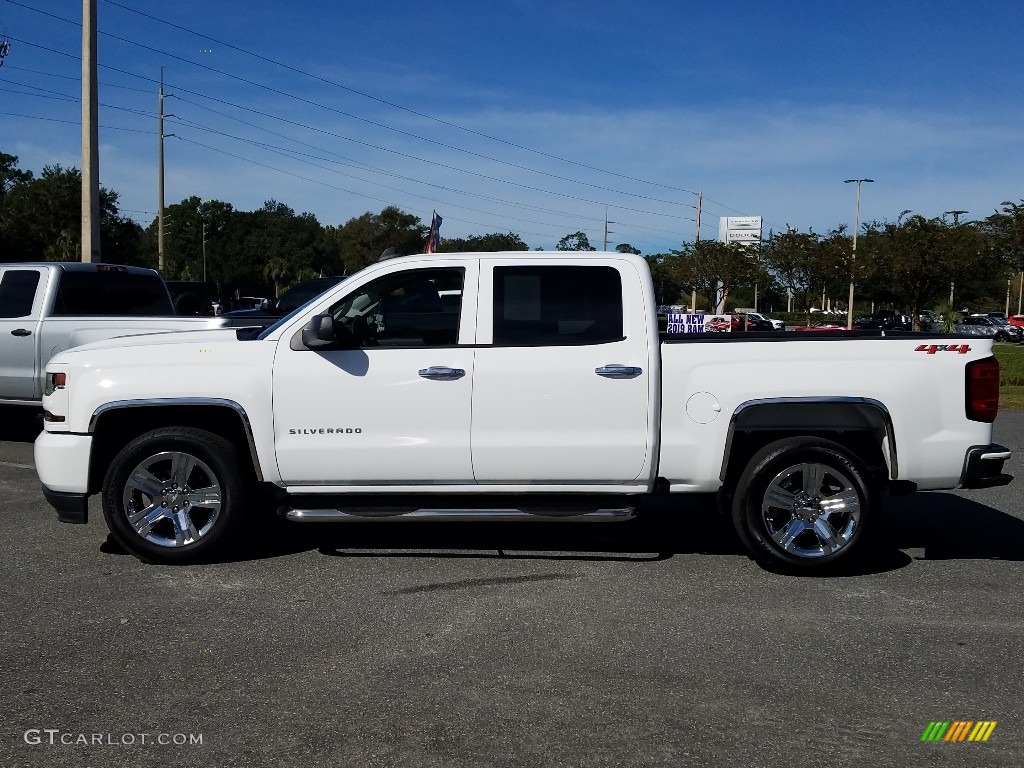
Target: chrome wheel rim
{"points": [[172, 499], [811, 510]]}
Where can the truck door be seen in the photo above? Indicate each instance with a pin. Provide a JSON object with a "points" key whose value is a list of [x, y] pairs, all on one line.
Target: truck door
{"points": [[561, 393], [21, 299], [393, 408]]}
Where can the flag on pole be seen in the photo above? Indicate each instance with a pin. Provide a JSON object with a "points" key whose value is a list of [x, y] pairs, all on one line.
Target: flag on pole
{"points": [[434, 238]]}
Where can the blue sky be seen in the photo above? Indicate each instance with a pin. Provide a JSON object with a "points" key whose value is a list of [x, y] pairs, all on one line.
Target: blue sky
{"points": [[535, 117]]}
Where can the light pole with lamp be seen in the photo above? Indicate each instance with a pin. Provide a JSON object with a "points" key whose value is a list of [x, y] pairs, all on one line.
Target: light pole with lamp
{"points": [[956, 223], [853, 259]]}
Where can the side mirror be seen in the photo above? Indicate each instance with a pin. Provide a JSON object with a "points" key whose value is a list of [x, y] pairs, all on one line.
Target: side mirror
{"points": [[319, 332]]}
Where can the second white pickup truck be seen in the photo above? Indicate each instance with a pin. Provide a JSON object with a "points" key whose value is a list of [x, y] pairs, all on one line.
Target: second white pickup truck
{"points": [[505, 386], [47, 307]]}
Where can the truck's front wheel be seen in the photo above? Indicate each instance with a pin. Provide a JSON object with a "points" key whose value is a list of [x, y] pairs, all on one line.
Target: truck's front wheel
{"points": [[803, 504], [173, 495]]}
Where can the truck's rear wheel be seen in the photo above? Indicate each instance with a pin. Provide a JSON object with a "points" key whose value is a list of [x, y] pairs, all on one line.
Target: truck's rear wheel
{"points": [[804, 504], [174, 495]]}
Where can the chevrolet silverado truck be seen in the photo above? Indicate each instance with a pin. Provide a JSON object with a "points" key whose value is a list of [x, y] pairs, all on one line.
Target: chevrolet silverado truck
{"points": [[504, 386], [48, 307]]}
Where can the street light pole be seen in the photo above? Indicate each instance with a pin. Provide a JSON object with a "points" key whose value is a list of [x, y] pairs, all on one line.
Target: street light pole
{"points": [[853, 258], [956, 223]]}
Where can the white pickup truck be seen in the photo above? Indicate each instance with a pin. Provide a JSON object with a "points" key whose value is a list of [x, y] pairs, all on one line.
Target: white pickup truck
{"points": [[510, 386], [47, 307]]}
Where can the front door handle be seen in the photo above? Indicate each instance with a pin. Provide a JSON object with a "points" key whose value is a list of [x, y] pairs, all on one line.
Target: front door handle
{"points": [[21, 332], [618, 371], [442, 373]]}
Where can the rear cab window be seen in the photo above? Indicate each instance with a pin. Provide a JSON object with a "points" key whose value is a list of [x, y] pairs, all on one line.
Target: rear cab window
{"points": [[111, 292]]}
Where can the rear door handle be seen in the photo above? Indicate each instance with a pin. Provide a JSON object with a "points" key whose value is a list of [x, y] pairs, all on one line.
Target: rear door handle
{"points": [[618, 371], [441, 373], [21, 332]]}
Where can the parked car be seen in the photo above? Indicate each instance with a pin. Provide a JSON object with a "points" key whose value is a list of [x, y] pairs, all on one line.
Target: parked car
{"points": [[778, 325], [827, 325], [558, 400], [982, 325], [763, 322], [47, 307], [1016, 320], [193, 298], [751, 321], [885, 319], [270, 312]]}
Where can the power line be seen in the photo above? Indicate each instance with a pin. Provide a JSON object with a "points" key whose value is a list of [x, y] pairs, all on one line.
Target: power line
{"points": [[289, 154], [76, 79], [408, 155], [394, 105], [357, 117], [73, 122]]}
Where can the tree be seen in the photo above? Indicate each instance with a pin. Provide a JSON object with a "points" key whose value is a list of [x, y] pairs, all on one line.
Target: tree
{"points": [[627, 248], [496, 241], [915, 258], [715, 269], [806, 264], [1005, 230], [40, 218], [577, 241], [360, 241], [10, 175]]}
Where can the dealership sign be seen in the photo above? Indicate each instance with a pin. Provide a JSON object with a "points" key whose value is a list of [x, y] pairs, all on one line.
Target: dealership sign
{"points": [[739, 229]]}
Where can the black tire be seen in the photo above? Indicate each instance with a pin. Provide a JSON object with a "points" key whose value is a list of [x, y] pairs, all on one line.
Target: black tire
{"points": [[1000, 336], [193, 484], [832, 526]]}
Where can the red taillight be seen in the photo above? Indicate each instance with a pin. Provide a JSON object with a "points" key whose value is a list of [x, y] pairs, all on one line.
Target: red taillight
{"points": [[983, 390]]}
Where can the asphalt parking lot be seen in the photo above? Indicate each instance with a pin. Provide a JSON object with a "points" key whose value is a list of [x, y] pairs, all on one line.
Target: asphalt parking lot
{"points": [[654, 642]]}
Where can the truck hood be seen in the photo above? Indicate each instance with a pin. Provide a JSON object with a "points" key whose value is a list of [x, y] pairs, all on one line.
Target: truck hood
{"points": [[217, 336]]}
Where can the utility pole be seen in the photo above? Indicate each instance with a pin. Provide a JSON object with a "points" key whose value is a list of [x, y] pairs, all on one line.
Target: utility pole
{"points": [[90, 137], [956, 223], [204, 251], [699, 195], [606, 230], [161, 261], [693, 291]]}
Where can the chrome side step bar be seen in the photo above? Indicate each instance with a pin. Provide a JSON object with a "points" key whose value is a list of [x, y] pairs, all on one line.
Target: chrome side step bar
{"points": [[379, 514]]}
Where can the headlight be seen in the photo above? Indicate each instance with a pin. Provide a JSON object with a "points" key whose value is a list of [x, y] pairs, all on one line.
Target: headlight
{"points": [[56, 398], [55, 381]]}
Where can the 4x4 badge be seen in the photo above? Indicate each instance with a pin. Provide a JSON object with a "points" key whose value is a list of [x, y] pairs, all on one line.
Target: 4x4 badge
{"points": [[931, 349]]}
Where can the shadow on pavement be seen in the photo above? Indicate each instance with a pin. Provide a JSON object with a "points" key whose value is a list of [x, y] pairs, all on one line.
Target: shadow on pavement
{"points": [[20, 425], [950, 527], [944, 525], [657, 534]]}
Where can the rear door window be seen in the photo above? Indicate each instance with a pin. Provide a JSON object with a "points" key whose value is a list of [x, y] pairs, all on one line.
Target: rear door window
{"points": [[557, 305], [17, 292]]}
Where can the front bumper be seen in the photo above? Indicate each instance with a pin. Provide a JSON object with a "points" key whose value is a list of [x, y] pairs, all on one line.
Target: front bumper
{"points": [[71, 507], [62, 463], [983, 467]]}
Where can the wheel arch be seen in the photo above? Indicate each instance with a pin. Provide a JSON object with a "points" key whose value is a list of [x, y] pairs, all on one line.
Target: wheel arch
{"points": [[114, 425], [862, 426]]}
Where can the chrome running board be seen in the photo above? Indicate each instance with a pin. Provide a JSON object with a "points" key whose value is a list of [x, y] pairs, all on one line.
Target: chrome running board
{"points": [[384, 514]]}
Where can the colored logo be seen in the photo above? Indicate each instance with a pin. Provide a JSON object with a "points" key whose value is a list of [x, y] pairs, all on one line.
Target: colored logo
{"points": [[931, 349], [958, 730]]}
